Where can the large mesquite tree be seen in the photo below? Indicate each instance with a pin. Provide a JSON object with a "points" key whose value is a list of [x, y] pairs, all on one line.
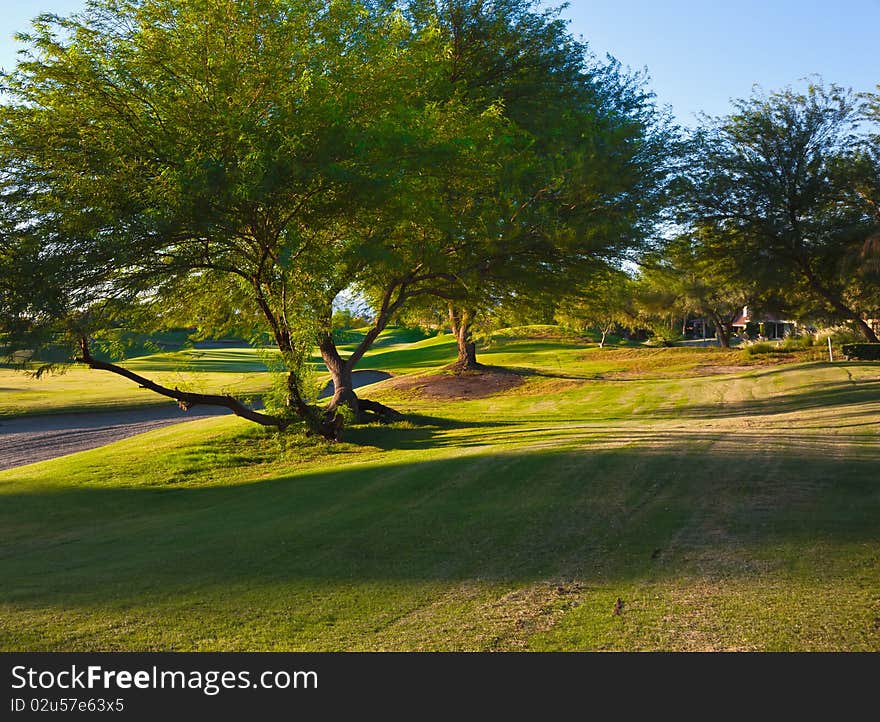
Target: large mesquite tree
{"points": [[239, 161]]}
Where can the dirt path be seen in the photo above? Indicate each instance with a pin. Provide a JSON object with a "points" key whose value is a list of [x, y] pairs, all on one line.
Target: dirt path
{"points": [[28, 439]]}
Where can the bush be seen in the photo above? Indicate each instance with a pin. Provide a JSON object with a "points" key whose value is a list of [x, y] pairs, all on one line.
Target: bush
{"points": [[839, 336], [862, 351], [664, 336], [798, 343], [759, 349], [345, 319]]}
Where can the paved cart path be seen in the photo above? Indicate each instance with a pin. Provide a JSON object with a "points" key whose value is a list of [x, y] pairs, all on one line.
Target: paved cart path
{"points": [[28, 439]]}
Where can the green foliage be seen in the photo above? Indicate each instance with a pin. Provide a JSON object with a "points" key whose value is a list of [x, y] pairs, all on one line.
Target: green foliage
{"points": [[344, 319], [788, 186], [798, 343], [293, 367], [839, 335], [233, 191], [572, 173], [604, 300], [761, 348], [662, 334], [790, 345], [692, 274], [347, 416]]}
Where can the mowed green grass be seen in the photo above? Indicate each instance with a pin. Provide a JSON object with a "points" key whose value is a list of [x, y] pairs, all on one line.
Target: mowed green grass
{"points": [[242, 371], [728, 507], [237, 371]]}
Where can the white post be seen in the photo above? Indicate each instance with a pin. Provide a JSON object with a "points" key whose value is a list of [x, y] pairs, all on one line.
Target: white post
{"points": [[830, 355]]}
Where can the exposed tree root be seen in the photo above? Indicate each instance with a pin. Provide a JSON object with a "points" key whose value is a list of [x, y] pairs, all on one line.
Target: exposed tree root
{"points": [[378, 411], [467, 365]]}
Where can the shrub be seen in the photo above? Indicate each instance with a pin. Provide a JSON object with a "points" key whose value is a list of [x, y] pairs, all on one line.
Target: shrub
{"points": [[664, 336], [839, 336], [759, 349], [798, 343], [862, 351]]}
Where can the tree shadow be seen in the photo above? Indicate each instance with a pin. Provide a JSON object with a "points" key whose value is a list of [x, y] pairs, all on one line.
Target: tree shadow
{"points": [[844, 394], [609, 510], [417, 431]]}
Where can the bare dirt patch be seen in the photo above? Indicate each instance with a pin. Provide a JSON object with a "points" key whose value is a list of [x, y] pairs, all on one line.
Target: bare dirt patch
{"points": [[731, 369], [459, 384]]}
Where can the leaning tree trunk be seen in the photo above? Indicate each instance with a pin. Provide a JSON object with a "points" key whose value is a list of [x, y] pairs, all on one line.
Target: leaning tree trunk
{"points": [[850, 315], [342, 374], [838, 305], [187, 399], [867, 331], [461, 322]]}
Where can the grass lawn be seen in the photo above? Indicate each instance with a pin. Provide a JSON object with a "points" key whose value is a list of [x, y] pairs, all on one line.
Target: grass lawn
{"points": [[239, 371], [729, 506]]}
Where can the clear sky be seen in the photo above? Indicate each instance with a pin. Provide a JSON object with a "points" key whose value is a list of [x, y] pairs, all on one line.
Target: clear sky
{"points": [[699, 54]]}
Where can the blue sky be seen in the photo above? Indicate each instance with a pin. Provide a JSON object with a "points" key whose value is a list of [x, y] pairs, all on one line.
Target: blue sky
{"points": [[702, 54], [699, 54]]}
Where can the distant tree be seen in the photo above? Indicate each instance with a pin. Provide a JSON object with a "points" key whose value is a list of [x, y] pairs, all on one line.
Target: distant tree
{"points": [[694, 274], [773, 181], [605, 301]]}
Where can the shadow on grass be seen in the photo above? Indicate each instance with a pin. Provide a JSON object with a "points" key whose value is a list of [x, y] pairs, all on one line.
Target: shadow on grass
{"points": [[846, 395], [596, 513], [418, 432], [237, 360]]}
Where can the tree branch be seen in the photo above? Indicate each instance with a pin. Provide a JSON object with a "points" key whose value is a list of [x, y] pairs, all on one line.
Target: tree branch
{"points": [[185, 399]]}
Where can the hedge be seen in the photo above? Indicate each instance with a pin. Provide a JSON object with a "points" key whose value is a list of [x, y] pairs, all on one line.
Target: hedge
{"points": [[862, 351]]}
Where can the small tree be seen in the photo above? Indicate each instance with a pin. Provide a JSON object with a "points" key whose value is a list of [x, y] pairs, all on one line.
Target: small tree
{"points": [[605, 301], [694, 275]]}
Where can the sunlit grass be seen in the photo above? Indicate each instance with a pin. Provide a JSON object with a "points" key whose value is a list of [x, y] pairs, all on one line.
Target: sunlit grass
{"points": [[730, 506], [238, 371]]}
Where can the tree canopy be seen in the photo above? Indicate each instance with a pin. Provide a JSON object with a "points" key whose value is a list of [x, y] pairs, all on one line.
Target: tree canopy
{"points": [[784, 183], [218, 160], [579, 181], [237, 164]]}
